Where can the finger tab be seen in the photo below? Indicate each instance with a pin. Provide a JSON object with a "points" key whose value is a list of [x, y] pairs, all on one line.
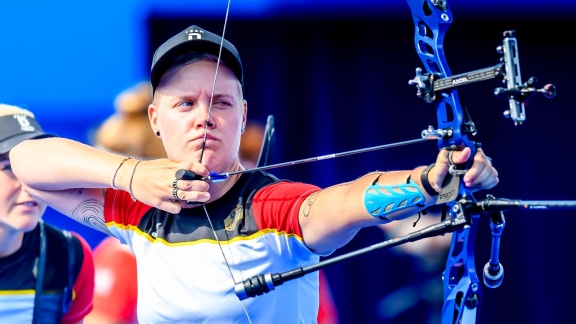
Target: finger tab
{"points": [[186, 175]]}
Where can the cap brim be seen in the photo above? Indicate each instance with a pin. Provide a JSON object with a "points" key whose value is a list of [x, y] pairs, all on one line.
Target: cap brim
{"points": [[9, 143]]}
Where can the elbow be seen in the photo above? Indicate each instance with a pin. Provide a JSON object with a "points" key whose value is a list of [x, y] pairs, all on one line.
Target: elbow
{"points": [[19, 157]]}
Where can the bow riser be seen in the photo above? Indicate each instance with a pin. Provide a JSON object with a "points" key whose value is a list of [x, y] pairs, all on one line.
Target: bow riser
{"points": [[461, 285]]}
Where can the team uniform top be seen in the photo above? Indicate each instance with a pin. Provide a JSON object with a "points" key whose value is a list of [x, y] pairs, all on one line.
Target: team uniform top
{"points": [[68, 273], [182, 274]]}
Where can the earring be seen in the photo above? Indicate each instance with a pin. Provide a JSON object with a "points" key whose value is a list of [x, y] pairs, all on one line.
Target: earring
{"points": [[158, 133], [242, 130]]}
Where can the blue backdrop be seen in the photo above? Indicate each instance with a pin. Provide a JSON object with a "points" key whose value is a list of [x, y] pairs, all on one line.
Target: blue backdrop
{"points": [[335, 76]]}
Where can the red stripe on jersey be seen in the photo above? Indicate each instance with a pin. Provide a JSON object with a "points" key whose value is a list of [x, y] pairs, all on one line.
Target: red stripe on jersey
{"points": [[278, 205], [119, 203]]}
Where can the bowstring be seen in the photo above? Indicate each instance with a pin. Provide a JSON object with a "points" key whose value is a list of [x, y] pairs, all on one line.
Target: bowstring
{"points": [[204, 146]]}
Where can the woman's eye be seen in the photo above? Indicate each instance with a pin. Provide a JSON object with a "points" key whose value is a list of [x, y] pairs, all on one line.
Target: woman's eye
{"points": [[6, 167], [187, 103], [222, 103]]}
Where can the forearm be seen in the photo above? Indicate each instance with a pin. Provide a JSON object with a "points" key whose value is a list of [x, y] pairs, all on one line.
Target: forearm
{"points": [[349, 200], [58, 163], [331, 217]]}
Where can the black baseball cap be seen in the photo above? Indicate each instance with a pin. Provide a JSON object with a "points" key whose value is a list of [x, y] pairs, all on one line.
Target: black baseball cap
{"points": [[17, 125], [193, 39]]}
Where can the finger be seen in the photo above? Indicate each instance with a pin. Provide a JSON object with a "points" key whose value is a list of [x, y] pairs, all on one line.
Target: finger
{"points": [[487, 184], [193, 185], [481, 157], [442, 160], [476, 175], [486, 179], [480, 170], [170, 206], [195, 196], [458, 157]]}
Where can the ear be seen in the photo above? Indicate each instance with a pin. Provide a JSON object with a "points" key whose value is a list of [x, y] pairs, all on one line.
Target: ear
{"points": [[153, 116], [245, 115]]}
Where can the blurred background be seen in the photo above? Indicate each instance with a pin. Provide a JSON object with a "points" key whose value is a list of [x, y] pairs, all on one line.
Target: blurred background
{"points": [[334, 74]]}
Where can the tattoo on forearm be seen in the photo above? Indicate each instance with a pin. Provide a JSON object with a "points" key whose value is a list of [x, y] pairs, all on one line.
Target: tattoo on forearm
{"points": [[309, 201], [90, 212]]}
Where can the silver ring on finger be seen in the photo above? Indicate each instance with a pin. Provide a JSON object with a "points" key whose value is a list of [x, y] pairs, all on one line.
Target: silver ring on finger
{"points": [[175, 183], [450, 161], [175, 193]]}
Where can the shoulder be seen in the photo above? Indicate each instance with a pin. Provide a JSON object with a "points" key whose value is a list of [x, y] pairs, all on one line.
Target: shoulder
{"points": [[285, 189], [277, 205]]}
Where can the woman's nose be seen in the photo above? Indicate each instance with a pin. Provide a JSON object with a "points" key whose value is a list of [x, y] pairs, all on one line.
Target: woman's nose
{"points": [[205, 119]]}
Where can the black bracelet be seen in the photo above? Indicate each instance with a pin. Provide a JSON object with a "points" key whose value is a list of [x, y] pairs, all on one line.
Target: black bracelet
{"points": [[425, 183]]}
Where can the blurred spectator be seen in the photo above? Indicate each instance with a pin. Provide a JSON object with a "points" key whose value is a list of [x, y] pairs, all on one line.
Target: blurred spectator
{"points": [[251, 143], [128, 130], [46, 274]]}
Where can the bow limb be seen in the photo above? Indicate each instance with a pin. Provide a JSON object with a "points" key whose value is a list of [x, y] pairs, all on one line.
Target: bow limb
{"points": [[461, 286]]}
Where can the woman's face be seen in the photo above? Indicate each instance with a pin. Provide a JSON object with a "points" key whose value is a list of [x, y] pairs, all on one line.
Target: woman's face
{"points": [[183, 108], [18, 210]]}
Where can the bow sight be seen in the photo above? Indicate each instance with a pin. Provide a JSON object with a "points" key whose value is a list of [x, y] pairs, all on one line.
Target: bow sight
{"points": [[428, 84]]}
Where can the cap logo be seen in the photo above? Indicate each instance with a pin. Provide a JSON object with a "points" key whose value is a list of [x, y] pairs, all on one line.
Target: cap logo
{"points": [[24, 123], [194, 34]]}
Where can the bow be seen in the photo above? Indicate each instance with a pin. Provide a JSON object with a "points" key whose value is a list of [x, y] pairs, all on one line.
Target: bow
{"points": [[462, 290], [461, 286], [455, 131]]}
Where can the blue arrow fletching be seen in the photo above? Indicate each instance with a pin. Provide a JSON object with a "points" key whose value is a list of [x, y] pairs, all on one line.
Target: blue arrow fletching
{"points": [[215, 177]]}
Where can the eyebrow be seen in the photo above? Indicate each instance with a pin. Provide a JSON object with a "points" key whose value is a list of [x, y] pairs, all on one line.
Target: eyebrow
{"points": [[223, 96]]}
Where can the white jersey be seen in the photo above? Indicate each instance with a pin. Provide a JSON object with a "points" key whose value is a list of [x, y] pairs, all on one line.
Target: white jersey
{"points": [[183, 276]]}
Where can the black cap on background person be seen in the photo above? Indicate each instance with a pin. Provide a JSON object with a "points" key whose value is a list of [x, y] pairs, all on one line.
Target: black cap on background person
{"points": [[17, 125]]}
